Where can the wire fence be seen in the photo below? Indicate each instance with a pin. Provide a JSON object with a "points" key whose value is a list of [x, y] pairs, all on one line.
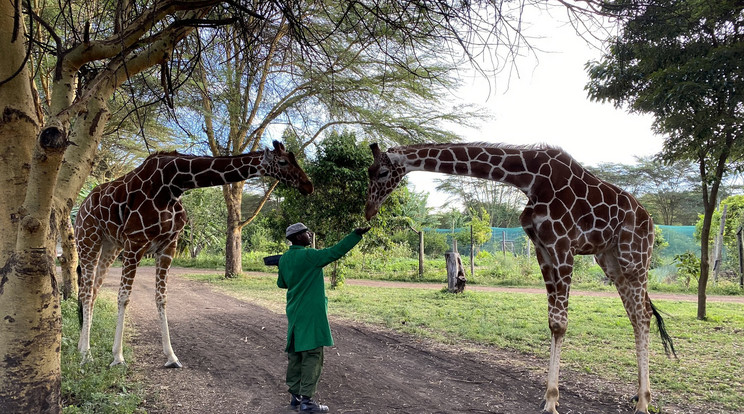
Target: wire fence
{"points": [[514, 241]]}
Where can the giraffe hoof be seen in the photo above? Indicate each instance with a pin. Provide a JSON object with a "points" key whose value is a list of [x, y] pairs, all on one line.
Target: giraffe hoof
{"points": [[174, 364], [543, 410], [115, 363]]}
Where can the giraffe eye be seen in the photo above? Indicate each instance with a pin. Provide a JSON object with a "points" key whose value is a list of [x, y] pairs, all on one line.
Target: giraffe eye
{"points": [[383, 174], [282, 163]]}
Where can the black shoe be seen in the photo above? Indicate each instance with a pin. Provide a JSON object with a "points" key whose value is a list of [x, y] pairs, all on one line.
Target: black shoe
{"points": [[308, 405], [295, 402]]}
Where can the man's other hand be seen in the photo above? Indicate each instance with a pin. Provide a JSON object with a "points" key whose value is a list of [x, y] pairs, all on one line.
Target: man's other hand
{"points": [[361, 230]]}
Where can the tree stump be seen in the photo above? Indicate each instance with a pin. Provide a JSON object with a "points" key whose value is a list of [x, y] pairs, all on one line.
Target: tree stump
{"points": [[455, 272]]}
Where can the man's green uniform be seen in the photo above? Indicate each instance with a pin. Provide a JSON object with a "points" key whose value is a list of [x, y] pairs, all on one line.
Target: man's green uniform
{"points": [[308, 330]]}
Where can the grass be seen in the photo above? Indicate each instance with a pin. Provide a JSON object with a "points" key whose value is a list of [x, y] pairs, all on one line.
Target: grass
{"points": [[496, 270], [94, 387], [599, 340], [707, 375]]}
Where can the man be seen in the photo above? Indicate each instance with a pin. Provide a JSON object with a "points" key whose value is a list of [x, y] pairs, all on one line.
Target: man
{"points": [[308, 331]]}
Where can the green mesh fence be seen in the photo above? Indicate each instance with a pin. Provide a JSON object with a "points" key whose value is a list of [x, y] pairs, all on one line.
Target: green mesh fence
{"points": [[513, 240]]}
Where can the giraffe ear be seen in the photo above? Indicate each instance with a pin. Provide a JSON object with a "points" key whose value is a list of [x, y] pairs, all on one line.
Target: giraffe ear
{"points": [[375, 149], [267, 155]]}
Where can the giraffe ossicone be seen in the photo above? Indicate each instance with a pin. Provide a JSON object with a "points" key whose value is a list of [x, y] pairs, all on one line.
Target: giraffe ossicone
{"points": [[141, 213], [569, 211]]}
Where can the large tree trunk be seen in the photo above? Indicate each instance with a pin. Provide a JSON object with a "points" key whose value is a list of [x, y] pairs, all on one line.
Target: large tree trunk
{"points": [[30, 323], [710, 201], [704, 261], [234, 244]]}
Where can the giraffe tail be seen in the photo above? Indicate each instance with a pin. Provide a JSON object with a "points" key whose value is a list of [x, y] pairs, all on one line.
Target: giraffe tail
{"points": [[80, 303], [666, 340]]}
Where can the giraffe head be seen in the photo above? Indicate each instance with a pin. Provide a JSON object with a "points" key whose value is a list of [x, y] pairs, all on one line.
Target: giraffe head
{"points": [[385, 173], [282, 165]]}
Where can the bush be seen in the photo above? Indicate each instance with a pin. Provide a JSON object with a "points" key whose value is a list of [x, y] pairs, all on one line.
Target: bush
{"points": [[688, 267], [505, 271]]}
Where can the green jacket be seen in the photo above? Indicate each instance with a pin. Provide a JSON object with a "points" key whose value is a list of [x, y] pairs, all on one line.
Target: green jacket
{"points": [[301, 273]]}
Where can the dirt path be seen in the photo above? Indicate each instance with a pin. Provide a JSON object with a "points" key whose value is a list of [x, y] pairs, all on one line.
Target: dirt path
{"points": [[234, 362]]}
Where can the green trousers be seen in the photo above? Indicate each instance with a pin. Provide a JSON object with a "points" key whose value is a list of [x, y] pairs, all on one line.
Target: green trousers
{"points": [[303, 371]]}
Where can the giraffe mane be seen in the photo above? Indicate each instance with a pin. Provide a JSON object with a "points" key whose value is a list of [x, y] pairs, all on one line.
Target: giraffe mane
{"points": [[167, 153], [537, 146]]}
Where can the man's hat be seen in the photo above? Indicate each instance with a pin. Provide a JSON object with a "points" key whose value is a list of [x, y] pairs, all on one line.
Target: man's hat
{"points": [[295, 229]]}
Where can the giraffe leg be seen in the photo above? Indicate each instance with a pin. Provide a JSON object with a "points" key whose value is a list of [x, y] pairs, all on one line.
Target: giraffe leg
{"points": [[163, 264], [557, 282], [108, 255], [131, 259], [632, 291], [85, 308], [639, 313], [558, 322], [89, 255]]}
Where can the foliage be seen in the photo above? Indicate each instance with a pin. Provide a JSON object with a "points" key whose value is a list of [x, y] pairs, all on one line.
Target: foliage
{"points": [[734, 221], [258, 236], [337, 204], [660, 244], [94, 387], [340, 179], [206, 214], [450, 219], [688, 266], [481, 229], [435, 243]]}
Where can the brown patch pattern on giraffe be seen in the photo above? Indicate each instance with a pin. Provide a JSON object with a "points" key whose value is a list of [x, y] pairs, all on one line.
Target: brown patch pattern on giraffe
{"points": [[569, 211], [141, 213]]}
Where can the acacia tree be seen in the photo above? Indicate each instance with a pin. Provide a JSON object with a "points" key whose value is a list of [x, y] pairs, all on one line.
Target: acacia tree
{"points": [[668, 191], [243, 89], [503, 203], [680, 60]]}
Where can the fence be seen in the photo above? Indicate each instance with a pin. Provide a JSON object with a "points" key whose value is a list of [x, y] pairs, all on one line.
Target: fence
{"points": [[514, 241]]}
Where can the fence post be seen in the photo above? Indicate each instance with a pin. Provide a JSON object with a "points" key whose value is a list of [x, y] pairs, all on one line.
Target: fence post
{"points": [[421, 253], [741, 256], [472, 249], [719, 246], [503, 243]]}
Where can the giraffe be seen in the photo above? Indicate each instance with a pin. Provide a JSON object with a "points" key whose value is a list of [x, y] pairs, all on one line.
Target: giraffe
{"points": [[569, 212], [141, 213]]}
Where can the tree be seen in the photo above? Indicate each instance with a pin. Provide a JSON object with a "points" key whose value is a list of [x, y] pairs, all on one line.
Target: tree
{"points": [[243, 88], [668, 191], [89, 62], [680, 60], [504, 203], [206, 211], [340, 178], [734, 220], [482, 233]]}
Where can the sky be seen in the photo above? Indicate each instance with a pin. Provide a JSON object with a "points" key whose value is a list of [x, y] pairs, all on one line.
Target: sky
{"points": [[545, 102]]}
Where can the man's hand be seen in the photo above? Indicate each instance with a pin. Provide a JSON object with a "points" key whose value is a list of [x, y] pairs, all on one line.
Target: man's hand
{"points": [[361, 230]]}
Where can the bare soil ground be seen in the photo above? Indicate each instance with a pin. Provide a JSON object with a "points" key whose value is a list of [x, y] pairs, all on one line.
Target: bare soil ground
{"points": [[233, 358]]}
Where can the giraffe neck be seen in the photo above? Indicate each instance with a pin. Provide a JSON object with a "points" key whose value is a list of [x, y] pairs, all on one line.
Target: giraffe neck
{"points": [[508, 164], [186, 172]]}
